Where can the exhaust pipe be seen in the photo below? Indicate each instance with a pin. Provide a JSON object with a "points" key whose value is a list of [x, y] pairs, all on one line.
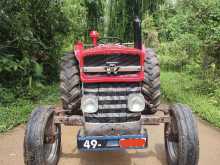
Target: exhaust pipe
{"points": [[137, 33], [137, 26]]}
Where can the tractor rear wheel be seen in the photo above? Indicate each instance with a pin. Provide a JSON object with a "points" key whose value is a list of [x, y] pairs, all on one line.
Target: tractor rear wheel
{"points": [[42, 141], [181, 137], [151, 83], [70, 84]]}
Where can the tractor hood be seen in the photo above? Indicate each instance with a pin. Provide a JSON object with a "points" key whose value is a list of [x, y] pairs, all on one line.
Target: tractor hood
{"points": [[104, 49], [94, 65], [111, 48]]}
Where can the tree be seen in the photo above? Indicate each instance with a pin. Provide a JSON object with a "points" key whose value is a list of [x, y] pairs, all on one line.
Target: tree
{"points": [[31, 35]]}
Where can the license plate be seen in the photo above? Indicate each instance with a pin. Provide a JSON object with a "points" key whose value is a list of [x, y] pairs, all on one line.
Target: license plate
{"points": [[91, 144], [129, 143]]}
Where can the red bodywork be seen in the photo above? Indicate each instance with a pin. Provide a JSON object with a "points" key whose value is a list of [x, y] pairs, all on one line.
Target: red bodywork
{"points": [[94, 36], [108, 49]]}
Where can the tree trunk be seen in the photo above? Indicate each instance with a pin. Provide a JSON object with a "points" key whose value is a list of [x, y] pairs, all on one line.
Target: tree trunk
{"points": [[107, 11]]}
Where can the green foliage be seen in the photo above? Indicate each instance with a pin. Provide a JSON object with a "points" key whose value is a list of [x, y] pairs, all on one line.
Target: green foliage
{"points": [[15, 111], [181, 87], [189, 54], [183, 52], [94, 13], [196, 23], [149, 31], [76, 12], [115, 17], [118, 15], [31, 35]]}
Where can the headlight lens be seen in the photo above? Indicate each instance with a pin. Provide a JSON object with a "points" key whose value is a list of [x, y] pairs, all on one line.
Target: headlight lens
{"points": [[89, 104], [136, 102]]}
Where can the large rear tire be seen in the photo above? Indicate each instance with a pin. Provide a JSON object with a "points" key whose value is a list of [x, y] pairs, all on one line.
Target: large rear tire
{"points": [[151, 83], [42, 145], [181, 137], [70, 84]]}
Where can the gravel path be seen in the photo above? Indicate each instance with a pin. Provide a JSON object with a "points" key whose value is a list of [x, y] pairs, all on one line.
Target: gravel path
{"points": [[11, 149]]}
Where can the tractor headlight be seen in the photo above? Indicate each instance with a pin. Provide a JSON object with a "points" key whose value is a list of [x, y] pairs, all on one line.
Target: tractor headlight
{"points": [[136, 102], [89, 104]]}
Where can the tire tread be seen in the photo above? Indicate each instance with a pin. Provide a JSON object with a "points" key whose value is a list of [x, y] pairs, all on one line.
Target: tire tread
{"points": [[70, 84], [151, 83]]}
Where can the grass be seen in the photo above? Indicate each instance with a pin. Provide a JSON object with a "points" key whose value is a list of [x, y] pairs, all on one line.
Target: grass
{"points": [[13, 114], [181, 87]]}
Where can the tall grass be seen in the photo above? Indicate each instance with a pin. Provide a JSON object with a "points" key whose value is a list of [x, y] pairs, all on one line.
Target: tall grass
{"points": [[182, 87], [15, 113]]}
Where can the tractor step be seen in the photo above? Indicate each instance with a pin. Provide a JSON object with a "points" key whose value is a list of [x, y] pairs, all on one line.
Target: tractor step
{"points": [[112, 142]]}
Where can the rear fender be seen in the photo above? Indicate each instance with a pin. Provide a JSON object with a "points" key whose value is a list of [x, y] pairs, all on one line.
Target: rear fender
{"points": [[78, 51]]}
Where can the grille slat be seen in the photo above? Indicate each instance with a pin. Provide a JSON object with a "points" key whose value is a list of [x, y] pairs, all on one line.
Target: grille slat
{"points": [[106, 90], [109, 102], [111, 119], [112, 106], [118, 115]]}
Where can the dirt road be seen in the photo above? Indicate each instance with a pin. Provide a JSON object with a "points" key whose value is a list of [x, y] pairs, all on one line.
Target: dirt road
{"points": [[11, 149]]}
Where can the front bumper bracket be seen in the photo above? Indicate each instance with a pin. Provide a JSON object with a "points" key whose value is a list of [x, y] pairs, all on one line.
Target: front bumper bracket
{"points": [[112, 142]]}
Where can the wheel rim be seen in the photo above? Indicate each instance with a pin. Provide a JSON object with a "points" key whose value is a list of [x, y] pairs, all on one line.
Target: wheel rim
{"points": [[51, 147], [172, 140]]}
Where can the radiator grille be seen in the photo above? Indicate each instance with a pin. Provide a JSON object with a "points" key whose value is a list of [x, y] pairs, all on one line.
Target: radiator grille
{"points": [[120, 59], [112, 99]]}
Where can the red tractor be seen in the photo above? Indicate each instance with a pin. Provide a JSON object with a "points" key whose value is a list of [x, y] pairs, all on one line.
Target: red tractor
{"points": [[111, 90]]}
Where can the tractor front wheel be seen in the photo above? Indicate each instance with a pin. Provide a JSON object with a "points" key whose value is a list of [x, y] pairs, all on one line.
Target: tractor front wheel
{"points": [[42, 141], [181, 137]]}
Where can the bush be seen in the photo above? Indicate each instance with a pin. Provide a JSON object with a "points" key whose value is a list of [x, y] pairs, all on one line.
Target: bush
{"points": [[180, 87], [31, 35], [193, 30], [76, 12], [15, 111], [149, 32], [181, 53]]}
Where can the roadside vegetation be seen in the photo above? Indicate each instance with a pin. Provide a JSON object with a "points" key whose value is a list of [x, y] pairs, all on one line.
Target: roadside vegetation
{"points": [[189, 52], [34, 35], [15, 109], [185, 88]]}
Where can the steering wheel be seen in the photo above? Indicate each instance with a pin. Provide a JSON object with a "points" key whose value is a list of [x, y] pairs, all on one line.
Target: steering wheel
{"points": [[105, 40]]}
